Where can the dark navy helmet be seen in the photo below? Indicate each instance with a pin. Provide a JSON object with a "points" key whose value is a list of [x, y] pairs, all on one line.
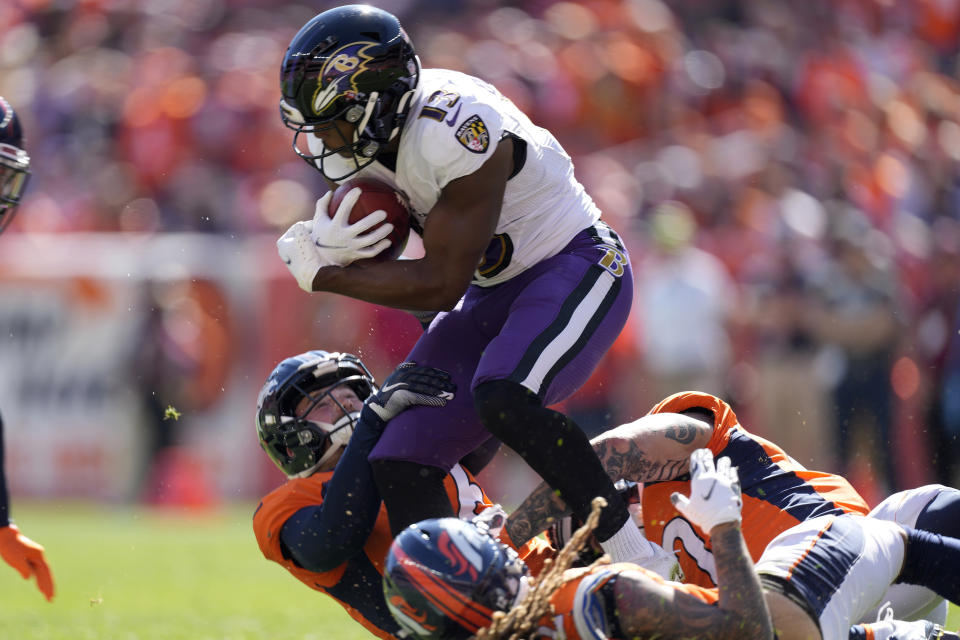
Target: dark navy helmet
{"points": [[446, 577], [353, 64], [14, 163], [296, 444]]}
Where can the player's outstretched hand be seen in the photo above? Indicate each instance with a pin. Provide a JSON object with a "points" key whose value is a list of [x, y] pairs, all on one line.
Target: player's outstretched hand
{"points": [[26, 556], [714, 492], [337, 241], [411, 384]]}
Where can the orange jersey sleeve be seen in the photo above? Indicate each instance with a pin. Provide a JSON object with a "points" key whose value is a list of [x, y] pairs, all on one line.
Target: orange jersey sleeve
{"points": [[280, 504], [778, 492]]}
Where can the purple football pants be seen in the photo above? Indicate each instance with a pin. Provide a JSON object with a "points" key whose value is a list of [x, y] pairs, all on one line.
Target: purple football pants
{"points": [[546, 329]]}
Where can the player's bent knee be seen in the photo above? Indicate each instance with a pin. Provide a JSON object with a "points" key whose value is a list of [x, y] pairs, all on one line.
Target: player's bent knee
{"points": [[502, 406]]}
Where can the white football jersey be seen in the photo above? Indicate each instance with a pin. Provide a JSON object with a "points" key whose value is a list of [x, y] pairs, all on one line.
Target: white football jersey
{"points": [[453, 127]]}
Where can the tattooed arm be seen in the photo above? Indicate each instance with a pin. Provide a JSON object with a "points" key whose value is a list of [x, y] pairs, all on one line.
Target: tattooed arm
{"points": [[738, 584], [655, 447], [646, 606]]}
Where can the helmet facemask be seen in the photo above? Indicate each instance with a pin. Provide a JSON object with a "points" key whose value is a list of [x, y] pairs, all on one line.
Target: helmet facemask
{"points": [[320, 436], [14, 175], [375, 124]]}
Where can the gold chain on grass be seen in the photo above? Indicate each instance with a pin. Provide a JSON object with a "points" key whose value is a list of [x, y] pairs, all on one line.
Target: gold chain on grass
{"points": [[523, 619]]}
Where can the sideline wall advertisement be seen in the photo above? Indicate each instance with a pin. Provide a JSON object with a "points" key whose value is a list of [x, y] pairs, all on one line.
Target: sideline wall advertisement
{"points": [[130, 364]]}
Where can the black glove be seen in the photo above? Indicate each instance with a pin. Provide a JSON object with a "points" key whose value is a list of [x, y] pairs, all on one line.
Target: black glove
{"points": [[411, 384]]}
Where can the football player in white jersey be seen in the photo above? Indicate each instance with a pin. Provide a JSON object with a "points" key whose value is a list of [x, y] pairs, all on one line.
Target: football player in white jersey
{"points": [[531, 286]]}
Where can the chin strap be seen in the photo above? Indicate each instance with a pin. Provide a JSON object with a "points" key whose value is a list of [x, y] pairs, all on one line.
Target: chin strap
{"points": [[400, 114], [370, 147]]}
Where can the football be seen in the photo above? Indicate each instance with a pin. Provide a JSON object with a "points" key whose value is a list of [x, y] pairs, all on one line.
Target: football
{"points": [[377, 195]]}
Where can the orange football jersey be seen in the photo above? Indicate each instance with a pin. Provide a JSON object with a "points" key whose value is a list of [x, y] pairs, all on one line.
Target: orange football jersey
{"points": [[363, 598], [778, 492]]}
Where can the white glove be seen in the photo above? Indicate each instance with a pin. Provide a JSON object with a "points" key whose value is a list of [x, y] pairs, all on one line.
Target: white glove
{"points": [[298, 252], [662, 562], [590, 606], [340, 243], [714, 492]]}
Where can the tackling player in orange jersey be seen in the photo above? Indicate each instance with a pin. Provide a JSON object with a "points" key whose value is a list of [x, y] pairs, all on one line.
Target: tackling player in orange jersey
{"points": [[447, 579], [318, 416], [17, 550], [778, 492]]}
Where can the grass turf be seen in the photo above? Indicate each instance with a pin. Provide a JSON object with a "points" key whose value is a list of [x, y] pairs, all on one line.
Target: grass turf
{"points": [[140, 574]]}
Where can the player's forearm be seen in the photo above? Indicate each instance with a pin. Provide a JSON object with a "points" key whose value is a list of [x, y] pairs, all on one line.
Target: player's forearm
{"points": [[537, 512], [400, 284], [653, 448], [739, 587], [627, 459], [322, 537]]}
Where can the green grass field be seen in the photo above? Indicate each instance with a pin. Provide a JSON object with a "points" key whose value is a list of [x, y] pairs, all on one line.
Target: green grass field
{"points": [[139, 574], [146, 575]]}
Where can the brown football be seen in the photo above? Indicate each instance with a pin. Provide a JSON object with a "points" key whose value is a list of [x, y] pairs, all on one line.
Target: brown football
{"points": [[377, 195]]}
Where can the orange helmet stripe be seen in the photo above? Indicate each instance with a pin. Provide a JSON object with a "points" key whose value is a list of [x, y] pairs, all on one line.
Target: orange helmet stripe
{"points": [[469, 614]]}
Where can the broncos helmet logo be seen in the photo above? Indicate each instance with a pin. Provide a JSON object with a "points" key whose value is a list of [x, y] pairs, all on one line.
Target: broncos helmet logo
{"points": [[454, 553], [338, 77]]}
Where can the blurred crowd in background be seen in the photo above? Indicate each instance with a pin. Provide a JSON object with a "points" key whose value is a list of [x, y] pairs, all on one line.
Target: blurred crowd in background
{"points": [[786, 175]]}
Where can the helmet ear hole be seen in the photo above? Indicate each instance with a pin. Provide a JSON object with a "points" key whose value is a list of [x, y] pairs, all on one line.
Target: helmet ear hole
{"points": [[354, 113]]}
